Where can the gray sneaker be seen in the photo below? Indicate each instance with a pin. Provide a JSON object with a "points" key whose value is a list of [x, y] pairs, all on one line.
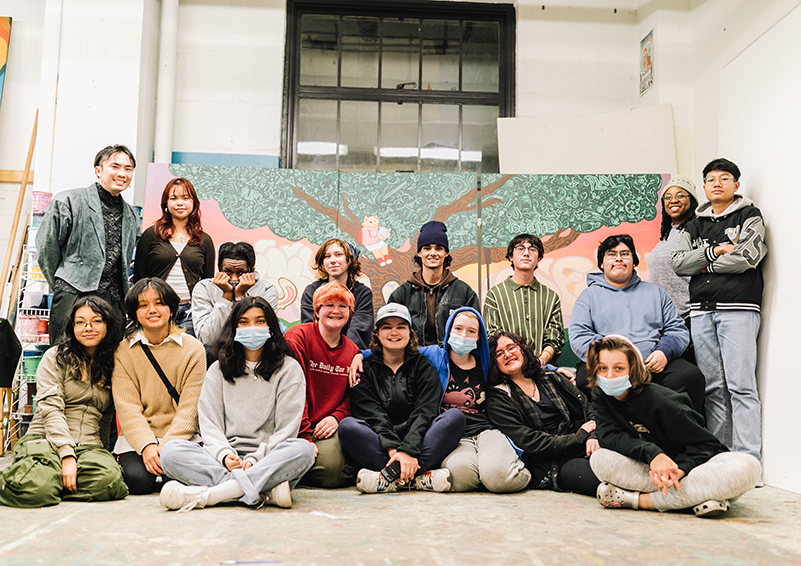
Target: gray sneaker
{"points": [[368, 481], [175, 495], [435, 480]]}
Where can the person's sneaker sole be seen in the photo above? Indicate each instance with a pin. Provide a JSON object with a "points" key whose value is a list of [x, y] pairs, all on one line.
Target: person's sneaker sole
{"points": [[711, 508], [281, 496]]}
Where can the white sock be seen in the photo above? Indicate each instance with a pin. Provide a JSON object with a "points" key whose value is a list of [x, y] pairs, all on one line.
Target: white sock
{"points": [[226, 491]]}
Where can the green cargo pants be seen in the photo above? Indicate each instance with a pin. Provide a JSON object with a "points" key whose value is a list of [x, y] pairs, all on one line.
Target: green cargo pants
{"points": [[34, 477]]}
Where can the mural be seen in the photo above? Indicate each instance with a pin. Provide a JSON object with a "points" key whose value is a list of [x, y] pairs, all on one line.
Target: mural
{"points": [[287, 214], [5, 37]]}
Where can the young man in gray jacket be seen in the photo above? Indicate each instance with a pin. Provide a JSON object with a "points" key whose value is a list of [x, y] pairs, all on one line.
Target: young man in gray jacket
{"points": [[86, 240]]}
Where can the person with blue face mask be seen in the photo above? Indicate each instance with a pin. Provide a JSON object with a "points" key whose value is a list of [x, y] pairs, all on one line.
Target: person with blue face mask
{"points": [[484, 457], [249, 411], [656, 453], [549, 420]]}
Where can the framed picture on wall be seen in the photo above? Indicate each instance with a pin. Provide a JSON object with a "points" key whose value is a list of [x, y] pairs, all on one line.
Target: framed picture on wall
{"points": [[647, 62]]}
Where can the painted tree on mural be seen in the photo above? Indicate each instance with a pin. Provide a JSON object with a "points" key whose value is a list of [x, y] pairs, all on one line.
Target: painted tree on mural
{"points": [[316, 205]]}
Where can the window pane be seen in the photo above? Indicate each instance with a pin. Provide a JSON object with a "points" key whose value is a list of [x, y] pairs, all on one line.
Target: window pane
{"points": [[360, 52], [480, 139], [440, 138], [480, 59], [317, 134], [440, 55], [401, 52], [358, 136], [398, 137], [318, 50]]}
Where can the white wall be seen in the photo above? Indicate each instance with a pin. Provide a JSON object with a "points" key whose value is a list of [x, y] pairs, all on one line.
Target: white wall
{"points": [[759, 123], [18, 108], [576, 57], [228, 90]]}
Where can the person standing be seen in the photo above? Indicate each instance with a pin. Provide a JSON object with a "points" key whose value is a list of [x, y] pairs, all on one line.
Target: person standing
{"points": [[522, 305], [433, 292], [86, 240], [722, 250], [176, 249]]}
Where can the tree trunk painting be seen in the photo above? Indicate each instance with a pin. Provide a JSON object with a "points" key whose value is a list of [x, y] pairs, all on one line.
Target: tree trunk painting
{"points": [[381, 213]]}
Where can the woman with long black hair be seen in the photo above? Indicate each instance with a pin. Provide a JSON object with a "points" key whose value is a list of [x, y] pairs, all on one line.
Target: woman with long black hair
{"points": [[249, 410], [64, 454]]}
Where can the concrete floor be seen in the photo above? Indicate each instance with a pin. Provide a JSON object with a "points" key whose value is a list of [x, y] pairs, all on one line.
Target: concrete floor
{"points": [[328, 527]]}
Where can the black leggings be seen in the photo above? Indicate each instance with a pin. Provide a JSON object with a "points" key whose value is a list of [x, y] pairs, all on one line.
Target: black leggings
{"points": [[576, 475], [136, 476]]}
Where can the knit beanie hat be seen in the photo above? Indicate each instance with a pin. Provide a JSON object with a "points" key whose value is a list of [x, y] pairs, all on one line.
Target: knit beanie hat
{"points": [[682, 183], [433, 232]]}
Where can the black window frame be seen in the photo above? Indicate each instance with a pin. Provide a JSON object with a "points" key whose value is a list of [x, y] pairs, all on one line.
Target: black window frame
{"points": [[504, 99]]}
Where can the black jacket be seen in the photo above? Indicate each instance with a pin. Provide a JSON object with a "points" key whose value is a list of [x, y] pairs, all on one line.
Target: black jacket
{"points": [[399, 407], [657, 420], [542, 452], [732, 281]]}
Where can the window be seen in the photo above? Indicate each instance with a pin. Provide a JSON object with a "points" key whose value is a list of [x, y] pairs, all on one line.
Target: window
{"points": [[388, 86]]}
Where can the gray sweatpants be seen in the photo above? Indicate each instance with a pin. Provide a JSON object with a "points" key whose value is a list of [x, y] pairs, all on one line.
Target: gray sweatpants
{"points": [[191, 464], [727, 475], [487, 459]]}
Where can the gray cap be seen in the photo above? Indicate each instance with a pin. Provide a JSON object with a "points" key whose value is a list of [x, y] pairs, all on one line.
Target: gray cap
{"points": [[393, 310]]}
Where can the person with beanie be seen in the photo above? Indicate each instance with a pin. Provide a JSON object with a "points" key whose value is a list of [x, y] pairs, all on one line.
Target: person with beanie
{"points": [[433, 292]]}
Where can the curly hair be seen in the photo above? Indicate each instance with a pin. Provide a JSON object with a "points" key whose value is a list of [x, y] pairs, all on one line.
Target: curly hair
{"points": [[231, 354], [531, 363], [72, 357], [354, 265], [638, 373], [667, 221], [164, 227]]}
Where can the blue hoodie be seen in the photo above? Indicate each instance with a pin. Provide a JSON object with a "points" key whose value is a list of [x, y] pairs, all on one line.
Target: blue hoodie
{"points": [[641, 311], [440, 357]]}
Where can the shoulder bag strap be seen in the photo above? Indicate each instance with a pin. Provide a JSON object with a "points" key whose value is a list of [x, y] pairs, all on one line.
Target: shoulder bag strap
{"points": [[170, 389]]}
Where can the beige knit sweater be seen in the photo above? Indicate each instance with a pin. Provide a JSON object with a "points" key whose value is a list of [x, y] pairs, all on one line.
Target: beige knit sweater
{"points": [[144, 407]]}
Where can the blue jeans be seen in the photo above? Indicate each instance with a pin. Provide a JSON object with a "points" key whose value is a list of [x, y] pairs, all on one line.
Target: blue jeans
{"points": [[726, 351], [183, 318], [363, 445]]}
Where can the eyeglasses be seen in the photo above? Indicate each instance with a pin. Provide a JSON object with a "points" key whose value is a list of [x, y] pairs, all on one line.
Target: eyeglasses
{"points": [[332, 306], [611, 254], [723, 179], [677, 196], [82, 324], [530, 249], [510, 349]]}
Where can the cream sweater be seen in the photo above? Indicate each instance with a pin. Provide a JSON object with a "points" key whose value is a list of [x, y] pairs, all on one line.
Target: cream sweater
{"points": [[144, 407]]}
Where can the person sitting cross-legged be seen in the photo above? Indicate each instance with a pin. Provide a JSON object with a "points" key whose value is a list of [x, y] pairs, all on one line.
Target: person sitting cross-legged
{"points": [[249, 412]]}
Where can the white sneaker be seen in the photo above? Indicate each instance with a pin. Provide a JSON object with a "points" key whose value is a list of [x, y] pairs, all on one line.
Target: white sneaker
{"points": [[435, 480], [175, 495], [280, 495], [711, 508], [368, 481]]}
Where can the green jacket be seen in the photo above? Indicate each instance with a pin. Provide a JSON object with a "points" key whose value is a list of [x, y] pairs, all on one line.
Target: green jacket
{"points": [[69, 412], [71, 241]]}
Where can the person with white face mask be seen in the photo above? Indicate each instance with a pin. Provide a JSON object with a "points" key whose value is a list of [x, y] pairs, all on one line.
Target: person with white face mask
{"points": [[484, 457], [250, 449], [656, 453]]}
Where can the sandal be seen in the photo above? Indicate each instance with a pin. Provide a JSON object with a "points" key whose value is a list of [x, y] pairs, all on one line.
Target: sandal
{"points": [[711, 508], [613, 497]]}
